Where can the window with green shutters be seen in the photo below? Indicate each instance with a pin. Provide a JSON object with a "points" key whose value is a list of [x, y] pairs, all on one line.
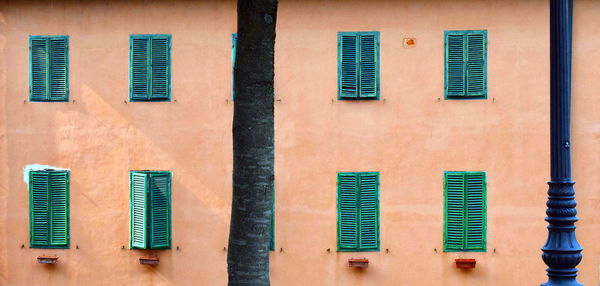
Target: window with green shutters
{"points": [[150, 209], [48, 68], [465, 211], [358, 211], [150, 67], [466, 64], [49, 209], [358, 65]]}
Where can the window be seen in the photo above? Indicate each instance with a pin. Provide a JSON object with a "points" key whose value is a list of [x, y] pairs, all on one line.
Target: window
{"points": [[150, 209], [358, 211], [49, 209], [48, 68], [465, 211], [358, 65], [233, 52], [150, 68], [466, 65]]}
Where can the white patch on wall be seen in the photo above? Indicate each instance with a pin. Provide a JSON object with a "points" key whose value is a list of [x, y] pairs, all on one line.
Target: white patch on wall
{"points": [[37, 167]]}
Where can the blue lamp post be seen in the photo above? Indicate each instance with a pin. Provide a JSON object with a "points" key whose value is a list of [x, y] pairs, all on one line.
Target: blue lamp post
{"points": [[562, 252]]}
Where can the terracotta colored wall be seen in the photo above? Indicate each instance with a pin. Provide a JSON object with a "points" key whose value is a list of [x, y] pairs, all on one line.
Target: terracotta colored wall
{"points": [[410, 136]]}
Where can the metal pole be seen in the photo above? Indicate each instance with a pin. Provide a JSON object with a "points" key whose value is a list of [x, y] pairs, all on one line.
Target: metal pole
{"points": [[562, 252]]}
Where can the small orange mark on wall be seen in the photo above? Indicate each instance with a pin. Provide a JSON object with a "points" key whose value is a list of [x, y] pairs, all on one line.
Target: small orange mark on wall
{"points": [[410, 42]]}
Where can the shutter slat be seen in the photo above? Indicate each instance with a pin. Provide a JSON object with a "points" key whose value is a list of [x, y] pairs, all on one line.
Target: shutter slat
{"points": [[454, 206], [475, 212], [369, 210], [455, 65], [160, 211], [160, 68], [347, 211], [59, 69], [138, 210], [476, 67], [39, 208], [39, 69], [368, 66], [59, 205], [348, 66]]}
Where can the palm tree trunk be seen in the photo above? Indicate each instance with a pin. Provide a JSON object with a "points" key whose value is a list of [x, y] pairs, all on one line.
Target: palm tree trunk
{"points": [[253, 146]]}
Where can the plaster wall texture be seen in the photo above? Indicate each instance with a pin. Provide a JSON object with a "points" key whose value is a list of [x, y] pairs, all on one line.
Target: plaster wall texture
{"points": [[411, 136]]}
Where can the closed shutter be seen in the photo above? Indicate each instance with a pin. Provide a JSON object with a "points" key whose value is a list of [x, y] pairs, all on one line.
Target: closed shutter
{"points": [[59, 208], [476, 64], [139, 183], [348, 65], [59, 88], [347, 211], [455, 65], [233, 52], [369, 65], [140, 87], [39, 73], [475, 211], [369, 210], [160, 210], [39, 208], [454, 208], [161, 62]]}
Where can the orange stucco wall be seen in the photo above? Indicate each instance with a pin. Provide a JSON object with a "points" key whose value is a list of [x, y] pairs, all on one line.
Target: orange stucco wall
{"points": [[410, 136]]}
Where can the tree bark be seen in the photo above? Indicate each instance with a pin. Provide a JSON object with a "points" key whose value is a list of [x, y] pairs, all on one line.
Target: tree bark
{"points": [[253, 146]]}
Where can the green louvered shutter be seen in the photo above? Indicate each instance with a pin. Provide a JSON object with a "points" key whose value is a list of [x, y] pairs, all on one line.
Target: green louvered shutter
{"points": [[455, 65], [233, 52], [139, 184], [454, 211], [369, 211], [59, 76], [348, 65], [39, 73], [475, 211], [59, 208], [160, 210], [347, 211], [39, 208], [369, 65], [476, 64], [139, 59], [161, 61]]}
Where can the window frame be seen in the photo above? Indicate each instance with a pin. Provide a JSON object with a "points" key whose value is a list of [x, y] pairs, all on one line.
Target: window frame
{"points": [[149, 98], [358, 97], [48, 77], [465, 226], [49, 211], [359, 225], [465, 33]]}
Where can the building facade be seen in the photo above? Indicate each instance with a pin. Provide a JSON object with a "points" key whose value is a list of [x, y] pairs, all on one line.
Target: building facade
{"points": [[399, 123]]}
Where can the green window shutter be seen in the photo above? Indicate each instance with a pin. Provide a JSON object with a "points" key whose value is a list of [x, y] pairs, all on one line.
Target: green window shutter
{"points": [[233, 52], [139, 58], [39, 209], [272, 230], [49, 68], [475, 211], [150, 67], [455, 65], [348, 65], [466, 64], [139, 184], [161, 62], [347, 211], [160, 210], [369, 210], [369, 65], [454, 226], [476, 64], [59, 208]]}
